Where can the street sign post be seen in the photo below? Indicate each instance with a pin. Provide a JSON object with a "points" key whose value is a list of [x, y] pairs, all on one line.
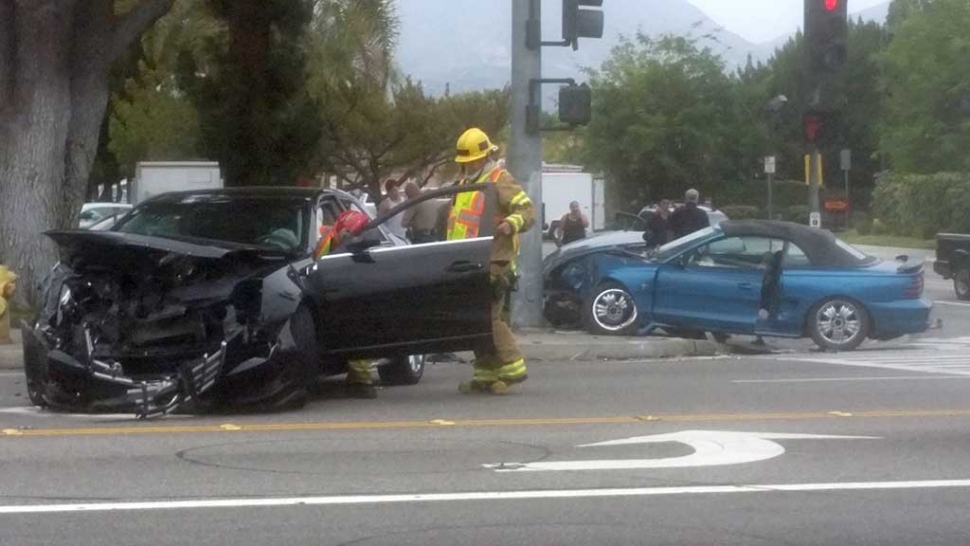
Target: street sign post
{"points": [[845, 161], [770, 171]]}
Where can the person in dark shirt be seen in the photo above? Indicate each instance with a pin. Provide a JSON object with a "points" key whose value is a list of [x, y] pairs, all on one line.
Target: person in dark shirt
{"points": [[656, 234], [572, 226], [689, 218]]}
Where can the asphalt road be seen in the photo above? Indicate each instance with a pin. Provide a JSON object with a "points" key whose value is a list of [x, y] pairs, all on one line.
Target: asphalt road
{"points": [[426, 465]]}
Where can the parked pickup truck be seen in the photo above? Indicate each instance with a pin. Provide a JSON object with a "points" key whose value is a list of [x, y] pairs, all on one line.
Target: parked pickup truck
{"points": [[953, 261]]}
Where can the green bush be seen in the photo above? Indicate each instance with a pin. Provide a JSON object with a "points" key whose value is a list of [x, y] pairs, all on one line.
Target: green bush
{"points": [[785, 193], [880, 228], [742, 212], [923, 205], [862, 223], [797, 213]]}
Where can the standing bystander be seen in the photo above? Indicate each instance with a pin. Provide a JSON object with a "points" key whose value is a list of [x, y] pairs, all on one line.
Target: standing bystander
{"points": [[421, 220], [391, 200], [572, 226]]}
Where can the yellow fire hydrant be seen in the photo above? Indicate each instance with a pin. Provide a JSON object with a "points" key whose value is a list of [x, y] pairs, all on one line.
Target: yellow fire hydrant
{"points": [[7, 286]]}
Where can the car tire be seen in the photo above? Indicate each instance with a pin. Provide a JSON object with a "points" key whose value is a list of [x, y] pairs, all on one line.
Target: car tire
{"points": [[838, 324], [611, 310], [300, 372], [37, 377], [403, 370], [961, 283]]}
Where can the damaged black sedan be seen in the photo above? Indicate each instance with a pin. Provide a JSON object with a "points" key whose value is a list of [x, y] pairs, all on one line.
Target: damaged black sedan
{"points": [[210, 299]]}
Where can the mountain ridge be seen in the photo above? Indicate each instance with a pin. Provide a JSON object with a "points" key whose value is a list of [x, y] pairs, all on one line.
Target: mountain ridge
{"points": [[448, 45]]}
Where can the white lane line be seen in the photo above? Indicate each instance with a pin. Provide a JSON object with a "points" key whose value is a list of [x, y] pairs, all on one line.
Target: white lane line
{"points": [[479, 496], [951, 303], [11, 374], [849, 379]]}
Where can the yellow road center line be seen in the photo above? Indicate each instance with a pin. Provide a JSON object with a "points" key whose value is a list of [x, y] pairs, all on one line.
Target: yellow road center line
{"points": [[453, 423]]}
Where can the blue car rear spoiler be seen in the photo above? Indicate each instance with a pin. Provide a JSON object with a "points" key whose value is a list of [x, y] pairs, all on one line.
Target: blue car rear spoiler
{"points": [[907, 266]]}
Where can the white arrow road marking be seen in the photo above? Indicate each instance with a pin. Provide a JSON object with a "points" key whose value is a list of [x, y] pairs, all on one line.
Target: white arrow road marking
{"points": [[277, 502], [711, 448]]}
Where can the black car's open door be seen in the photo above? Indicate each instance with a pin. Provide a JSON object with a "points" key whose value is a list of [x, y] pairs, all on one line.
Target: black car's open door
{"points": [[426, 298]]}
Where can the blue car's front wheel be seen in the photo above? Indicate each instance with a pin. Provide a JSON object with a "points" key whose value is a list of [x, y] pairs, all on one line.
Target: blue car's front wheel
{"points": [[611, 311], [838, 324]]}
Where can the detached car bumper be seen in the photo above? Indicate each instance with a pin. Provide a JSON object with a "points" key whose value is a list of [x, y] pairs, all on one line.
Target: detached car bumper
{"points": [[102, 385]]}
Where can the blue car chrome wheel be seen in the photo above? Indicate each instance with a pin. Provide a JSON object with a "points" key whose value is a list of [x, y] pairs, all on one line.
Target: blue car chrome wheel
{"points": [[839, 325], [612, 310]]}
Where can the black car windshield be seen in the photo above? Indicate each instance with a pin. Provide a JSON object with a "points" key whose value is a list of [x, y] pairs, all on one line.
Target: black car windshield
{"points": [[676, 246], [269, 222]]}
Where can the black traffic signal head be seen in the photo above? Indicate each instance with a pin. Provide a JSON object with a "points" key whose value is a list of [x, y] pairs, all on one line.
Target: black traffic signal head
{"points": [[575, 104], [826, 35], [578, 21]]}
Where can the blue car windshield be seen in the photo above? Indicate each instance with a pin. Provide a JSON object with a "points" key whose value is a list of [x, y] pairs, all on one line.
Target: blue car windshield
{"points": [[678, 245]]}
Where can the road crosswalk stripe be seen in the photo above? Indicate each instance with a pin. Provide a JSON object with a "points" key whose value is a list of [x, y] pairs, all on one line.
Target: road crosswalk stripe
{"points": [[950, 363]]}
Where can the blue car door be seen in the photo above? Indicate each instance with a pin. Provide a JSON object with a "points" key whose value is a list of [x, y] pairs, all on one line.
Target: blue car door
{"points": [[716, 286]]}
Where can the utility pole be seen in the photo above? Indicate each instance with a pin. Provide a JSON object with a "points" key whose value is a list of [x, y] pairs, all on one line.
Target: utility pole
{"points": [[525, 157], [770, 171], [525, 146]]}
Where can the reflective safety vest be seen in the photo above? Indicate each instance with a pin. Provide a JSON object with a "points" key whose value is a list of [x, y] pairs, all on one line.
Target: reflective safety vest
{"points": [[465, 218], [326, 241]]}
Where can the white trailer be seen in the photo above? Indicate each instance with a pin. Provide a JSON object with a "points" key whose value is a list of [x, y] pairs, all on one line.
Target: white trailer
{"points": [[157, 177], [563, 184]]}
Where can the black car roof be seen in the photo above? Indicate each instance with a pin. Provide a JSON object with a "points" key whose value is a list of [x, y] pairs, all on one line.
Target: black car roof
{"points": [[819, 245]]}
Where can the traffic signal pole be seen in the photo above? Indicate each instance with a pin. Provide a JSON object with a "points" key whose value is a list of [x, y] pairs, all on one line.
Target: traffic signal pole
{"points": [[815, 180], [524, 158]]}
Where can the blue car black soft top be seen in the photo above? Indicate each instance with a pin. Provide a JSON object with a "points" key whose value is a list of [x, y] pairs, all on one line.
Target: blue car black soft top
{"points": [[821, 247]]}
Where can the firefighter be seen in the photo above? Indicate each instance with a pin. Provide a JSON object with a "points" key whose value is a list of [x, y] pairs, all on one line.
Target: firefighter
{"points": [[503, 366], [360, 384], [7, 286]]}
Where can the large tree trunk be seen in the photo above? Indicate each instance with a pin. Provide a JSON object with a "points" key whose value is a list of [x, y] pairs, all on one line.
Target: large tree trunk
{"points": [[54, 62]]}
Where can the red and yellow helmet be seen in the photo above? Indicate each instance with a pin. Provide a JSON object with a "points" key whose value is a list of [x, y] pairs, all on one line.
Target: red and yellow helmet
{"points": [[351, 221]]}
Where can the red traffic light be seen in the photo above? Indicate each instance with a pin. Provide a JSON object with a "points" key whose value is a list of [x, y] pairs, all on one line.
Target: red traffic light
{"points": [[831, 5]]}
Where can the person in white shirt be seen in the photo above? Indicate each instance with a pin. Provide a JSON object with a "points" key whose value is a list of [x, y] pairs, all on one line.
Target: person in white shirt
{"points": [[391, 200]]}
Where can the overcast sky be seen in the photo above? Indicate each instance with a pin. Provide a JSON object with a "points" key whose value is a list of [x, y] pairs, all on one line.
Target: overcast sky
{"points": [[763, 20]]}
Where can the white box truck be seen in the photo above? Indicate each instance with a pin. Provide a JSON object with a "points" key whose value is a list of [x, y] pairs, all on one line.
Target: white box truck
{"points": [[563, 184], [156, 177]]}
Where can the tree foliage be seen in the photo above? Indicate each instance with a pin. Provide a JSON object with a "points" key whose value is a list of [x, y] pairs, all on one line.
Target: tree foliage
{"points": [[249, 85], [664, 119], [377, 123], [927, 127]]}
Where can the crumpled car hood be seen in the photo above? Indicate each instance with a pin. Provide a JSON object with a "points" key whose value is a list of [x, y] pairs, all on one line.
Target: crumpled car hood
{"points": [[599, 243], [76, 242]]}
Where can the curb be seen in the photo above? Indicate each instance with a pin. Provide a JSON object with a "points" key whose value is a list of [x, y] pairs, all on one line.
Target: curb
{"points": [[11, 357], [541, 347], [11, 354], [596, 349]]}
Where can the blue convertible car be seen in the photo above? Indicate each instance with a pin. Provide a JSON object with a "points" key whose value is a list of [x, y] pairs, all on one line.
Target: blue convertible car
{"points": [[742, 277]]}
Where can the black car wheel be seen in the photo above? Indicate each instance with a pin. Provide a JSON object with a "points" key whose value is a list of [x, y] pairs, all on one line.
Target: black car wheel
{"points": [[402, 370], [961, 283], [611, 311], [838, 324], [290, 388]]}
